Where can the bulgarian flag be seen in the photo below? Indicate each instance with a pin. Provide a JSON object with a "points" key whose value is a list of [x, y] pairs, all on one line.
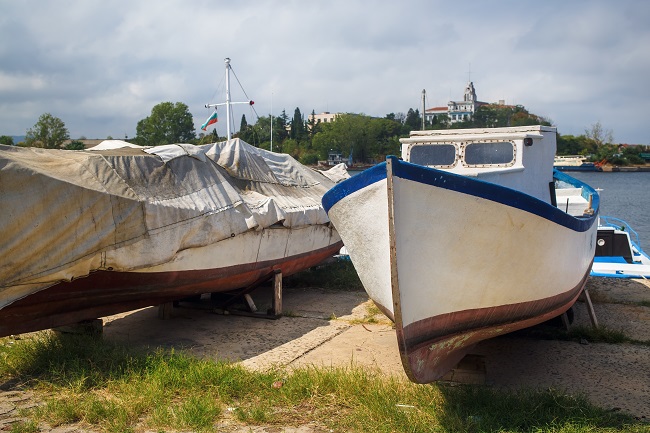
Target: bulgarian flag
{"points": [[212, 119]]}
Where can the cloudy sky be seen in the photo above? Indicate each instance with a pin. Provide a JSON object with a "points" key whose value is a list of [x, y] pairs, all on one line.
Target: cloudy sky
{"points": [[101, 66]]}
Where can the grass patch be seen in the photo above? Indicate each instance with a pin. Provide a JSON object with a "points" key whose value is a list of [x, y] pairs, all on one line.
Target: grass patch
{"points": [[336, 275], [373, 315], [115, 389]]}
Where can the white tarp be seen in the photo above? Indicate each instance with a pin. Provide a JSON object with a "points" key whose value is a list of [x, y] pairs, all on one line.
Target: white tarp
{"points": [[62, 212]]}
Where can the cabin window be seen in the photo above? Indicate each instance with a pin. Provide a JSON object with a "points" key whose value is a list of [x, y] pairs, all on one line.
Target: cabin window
{"points": [[436, 155], [496, 153]]}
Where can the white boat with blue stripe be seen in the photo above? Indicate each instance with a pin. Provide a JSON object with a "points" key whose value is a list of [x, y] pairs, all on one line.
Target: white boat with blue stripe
{"points": [[464, 239]]}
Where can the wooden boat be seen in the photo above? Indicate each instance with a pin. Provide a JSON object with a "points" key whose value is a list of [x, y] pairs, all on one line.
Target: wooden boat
{"points": [[463, 240], [574, 163], [91, 233], [618, 247]]}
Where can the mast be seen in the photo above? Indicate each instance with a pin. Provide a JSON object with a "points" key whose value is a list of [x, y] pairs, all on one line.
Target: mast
{"points": [[227, 60], [228, 102]]}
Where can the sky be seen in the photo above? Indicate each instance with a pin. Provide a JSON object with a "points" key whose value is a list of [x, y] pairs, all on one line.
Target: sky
{"points": [[101, 66]]}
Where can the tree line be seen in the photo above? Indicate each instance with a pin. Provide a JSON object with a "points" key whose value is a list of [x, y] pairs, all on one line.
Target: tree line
{"points": [[365, 138]]}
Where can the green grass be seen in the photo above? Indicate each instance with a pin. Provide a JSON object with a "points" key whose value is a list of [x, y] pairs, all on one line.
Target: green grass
{"points": [[337, 275], [111, 388]]}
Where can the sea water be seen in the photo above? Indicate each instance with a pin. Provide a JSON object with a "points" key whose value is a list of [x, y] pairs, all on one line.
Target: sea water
{"points": [[623, 195]]}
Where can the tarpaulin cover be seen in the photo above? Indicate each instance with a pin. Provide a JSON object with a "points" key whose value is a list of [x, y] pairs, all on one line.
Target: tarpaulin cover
{"points": [[62, 211]]}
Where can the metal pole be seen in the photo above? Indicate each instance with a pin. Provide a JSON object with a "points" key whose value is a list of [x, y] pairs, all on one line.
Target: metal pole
{"points": [[227, 60], [424, 95]]}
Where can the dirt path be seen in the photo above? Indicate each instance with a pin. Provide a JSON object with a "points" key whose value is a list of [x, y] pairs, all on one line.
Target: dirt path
{"points": [[319, 328]]}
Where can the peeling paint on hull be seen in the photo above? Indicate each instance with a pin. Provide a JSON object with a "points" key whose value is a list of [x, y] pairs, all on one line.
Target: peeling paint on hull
{"points": [[455, 259], [432, 347]]}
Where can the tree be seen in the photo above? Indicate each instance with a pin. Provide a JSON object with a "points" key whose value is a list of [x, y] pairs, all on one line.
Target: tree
{"points": [[49, 132], [366, 137], [298, 131], [246, 132], [168, 123], [75, 145], [6, 140], [599, 134], [413, 121]]}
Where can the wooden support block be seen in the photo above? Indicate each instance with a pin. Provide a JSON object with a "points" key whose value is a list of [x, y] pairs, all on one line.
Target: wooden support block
{"points": [[590, 308], [565, 321], [250, 303], [470, 371], [277, 294], [165, 310]]}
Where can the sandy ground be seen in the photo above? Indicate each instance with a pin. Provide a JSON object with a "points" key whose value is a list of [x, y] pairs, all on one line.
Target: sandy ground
{"points": [[319, 329], [322, 328]]}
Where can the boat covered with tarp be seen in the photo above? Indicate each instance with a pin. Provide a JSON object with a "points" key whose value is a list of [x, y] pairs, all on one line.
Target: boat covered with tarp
{"points": [[91, 233]]}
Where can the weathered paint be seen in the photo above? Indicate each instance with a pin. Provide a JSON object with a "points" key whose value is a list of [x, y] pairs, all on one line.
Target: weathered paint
{"points": [[454, 260], [104, 293]]}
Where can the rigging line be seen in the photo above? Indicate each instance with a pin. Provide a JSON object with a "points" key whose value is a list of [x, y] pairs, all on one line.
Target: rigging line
{"points": [[242, 88], [218, 89]]}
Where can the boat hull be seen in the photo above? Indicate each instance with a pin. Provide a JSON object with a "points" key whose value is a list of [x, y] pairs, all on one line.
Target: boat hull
{"points": [[455, 260], [212, 269]]}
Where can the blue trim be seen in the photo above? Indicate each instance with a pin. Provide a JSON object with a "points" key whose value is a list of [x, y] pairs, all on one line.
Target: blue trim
{"points": [[617, 275], [500, 194], [355, 183], [609, 259], [470, 186]]}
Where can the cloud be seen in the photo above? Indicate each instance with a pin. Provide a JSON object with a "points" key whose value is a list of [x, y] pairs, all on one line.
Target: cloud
{"points": [[102, 66]]}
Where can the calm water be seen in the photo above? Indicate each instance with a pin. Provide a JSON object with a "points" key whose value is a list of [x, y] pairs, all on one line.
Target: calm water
{"points": [[624, 196]]}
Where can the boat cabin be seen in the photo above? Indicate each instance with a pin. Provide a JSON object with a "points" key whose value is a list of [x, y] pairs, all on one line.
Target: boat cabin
{"points": [[334, 158], [516, 157]]}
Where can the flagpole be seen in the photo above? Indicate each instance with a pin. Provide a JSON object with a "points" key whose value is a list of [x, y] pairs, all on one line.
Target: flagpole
{"points": [[227, 60], [228, 102]]}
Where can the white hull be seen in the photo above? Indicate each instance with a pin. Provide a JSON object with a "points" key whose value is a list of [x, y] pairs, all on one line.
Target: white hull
{"points": [[455, 260]]}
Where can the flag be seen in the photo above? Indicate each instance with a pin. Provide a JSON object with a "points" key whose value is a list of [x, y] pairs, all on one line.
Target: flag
{"points": [[212, 119]]}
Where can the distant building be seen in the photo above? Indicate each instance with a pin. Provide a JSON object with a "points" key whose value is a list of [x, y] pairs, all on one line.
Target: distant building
{"points": [[323, 117], [457, 111]]}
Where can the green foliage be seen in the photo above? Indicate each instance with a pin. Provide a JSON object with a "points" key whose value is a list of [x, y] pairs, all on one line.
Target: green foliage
{"points": [[49, 132], [168, 123], [495, 116], [413, 121], [366, 137], [298, 128], [572, 145], [75, 145], [310, 158], [6, 140]]}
